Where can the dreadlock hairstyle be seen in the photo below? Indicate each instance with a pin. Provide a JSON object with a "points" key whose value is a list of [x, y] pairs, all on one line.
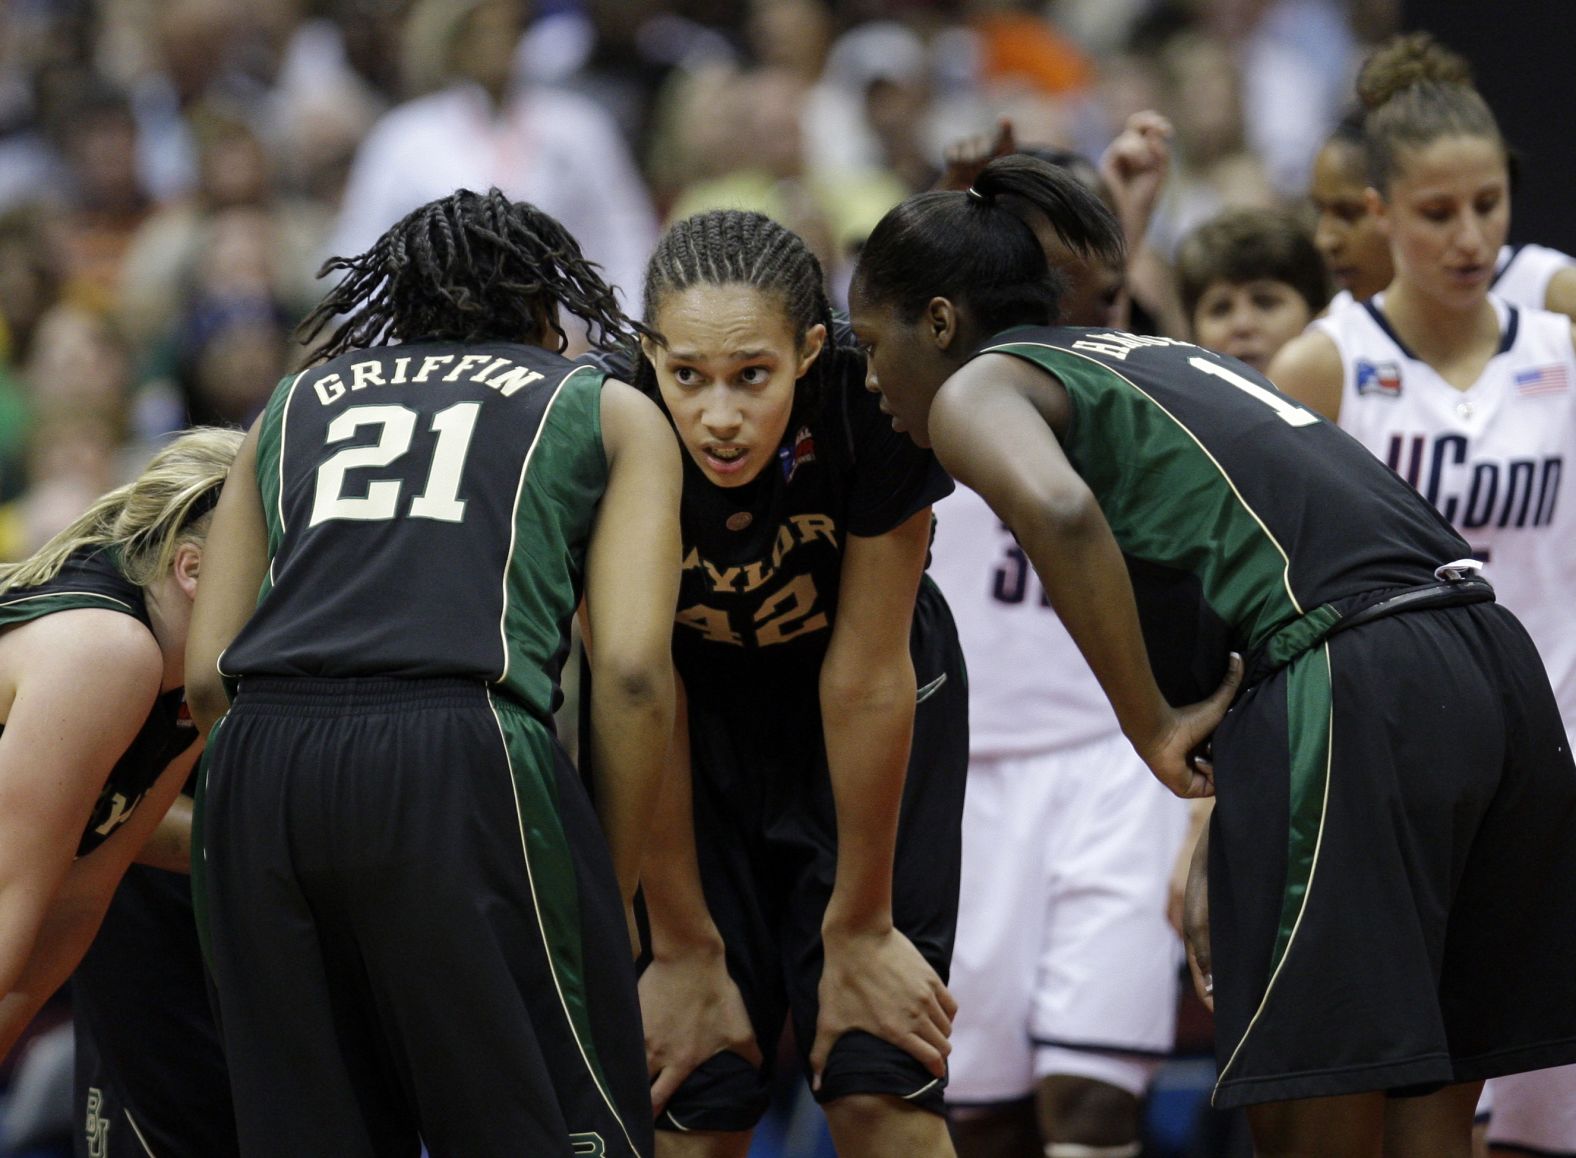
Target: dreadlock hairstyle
{"points": [[147, 520], [736, 247], [972, 248], [468, 267], [1416, 91]]}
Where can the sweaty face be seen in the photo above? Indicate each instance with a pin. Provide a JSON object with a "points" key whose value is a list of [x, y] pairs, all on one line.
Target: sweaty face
{"points": [[901, 364], [728, 374], [1249, 320], [1447, 212], [1349, 238]]}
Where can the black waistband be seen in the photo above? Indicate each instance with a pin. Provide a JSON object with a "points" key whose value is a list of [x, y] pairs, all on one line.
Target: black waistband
{"points": [[330, 696], [1266, 659]]}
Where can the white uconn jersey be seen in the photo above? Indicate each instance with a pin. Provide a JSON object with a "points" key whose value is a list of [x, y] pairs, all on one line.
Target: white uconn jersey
{"points": [[1030, 689], [1492, 459]]}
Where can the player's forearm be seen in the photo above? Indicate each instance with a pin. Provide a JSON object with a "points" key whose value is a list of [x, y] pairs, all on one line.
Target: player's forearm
{"points": [[676, 910], [1086, 579], [631, 724], [170, 846], [868, 724]]}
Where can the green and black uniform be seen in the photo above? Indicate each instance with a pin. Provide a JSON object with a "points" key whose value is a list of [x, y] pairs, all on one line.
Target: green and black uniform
{"points": [[1392, 853], [413, 919], [150, 1076]]}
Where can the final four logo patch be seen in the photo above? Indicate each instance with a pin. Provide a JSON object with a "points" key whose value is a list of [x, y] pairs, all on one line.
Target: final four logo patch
{"points": [[803, 451], [1379, 378]]}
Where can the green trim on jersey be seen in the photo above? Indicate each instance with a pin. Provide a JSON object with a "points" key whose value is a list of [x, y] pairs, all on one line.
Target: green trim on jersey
{"points": [[270, 460], [199, 847], [1309, 720], [1118, 439], [561, 481], [26, 608], [550, 873], [1309, 726]]}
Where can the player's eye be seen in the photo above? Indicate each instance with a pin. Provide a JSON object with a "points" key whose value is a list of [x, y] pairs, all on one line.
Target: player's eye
{"points": [[755, 375], [686, 376]]}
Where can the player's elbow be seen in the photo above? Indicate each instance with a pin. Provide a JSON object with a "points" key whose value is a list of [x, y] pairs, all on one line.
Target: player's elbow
{"points": [[635, 682], [206, 699]]}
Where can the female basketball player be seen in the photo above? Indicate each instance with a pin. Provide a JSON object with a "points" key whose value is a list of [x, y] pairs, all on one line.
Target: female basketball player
{"points": [[1361, 795], [825, 696], [1356, 248], [415, 928], [94, 748], [1466, 395]]}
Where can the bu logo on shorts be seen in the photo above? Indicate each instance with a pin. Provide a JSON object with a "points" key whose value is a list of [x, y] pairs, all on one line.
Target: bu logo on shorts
{"points": [[97, 1126]]}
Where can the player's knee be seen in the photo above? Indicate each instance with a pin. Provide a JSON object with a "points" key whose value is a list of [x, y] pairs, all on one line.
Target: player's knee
{"points": [[1086, 1112]]}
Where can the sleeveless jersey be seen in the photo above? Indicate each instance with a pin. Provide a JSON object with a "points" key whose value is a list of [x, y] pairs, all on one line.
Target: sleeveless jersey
{"points": [[92, 579], [428, 510], [1491, 458], [763, 562], [1522, 273], [1008, 629], [1246, 520]]}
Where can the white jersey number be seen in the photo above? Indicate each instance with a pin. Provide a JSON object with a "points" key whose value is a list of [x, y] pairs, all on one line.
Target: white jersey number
{"points": [[1289, 412], [438, 500]]}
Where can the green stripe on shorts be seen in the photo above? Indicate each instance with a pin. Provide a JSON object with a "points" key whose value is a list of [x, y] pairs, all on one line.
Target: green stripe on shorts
{"points": [[1308, 722]]}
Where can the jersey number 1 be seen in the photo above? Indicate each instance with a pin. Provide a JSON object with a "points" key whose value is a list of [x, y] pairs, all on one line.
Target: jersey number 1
{"points": [[438, 500], [1289, 412]]}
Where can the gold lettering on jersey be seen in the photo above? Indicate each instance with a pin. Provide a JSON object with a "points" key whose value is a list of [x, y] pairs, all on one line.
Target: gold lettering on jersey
{"points": [[510, 381], [364, 374], [430, 363], [812, 527], [329, 389], [741, 580], [400, 366], [465, 364]]}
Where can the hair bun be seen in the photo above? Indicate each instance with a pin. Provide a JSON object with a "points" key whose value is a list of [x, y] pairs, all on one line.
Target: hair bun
{"points": [[1405, 61]]}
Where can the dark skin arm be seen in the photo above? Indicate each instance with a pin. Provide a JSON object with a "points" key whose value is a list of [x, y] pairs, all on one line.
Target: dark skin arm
{"points": [[994, 426]]}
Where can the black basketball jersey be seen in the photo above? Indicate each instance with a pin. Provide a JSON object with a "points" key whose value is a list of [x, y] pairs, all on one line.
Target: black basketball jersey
{"points": [[428, 510], [91, 578], [1240, 512], [762, 561]]}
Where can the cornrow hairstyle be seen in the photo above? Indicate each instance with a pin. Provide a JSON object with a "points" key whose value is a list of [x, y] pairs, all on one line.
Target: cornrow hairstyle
{"points": [[468, 267], [736, 247], [1245, 245], [1417, 91], [147, 520], [971, 248]]}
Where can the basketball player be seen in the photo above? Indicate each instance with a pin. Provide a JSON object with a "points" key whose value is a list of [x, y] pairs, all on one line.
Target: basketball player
{"points": [[87, 775], [1365, 805], [826, 699], [1467, 396], [1357, 250], [1065, 968], [415, 928]]}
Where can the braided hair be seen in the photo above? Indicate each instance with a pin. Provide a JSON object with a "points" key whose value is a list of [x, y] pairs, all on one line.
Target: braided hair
{"points": [[973, 248], [737, 247], [465, 268]]}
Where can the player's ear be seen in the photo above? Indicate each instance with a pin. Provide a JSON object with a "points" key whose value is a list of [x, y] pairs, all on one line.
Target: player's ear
{"points": [[810, 348], [187, 562], [941, 322]]}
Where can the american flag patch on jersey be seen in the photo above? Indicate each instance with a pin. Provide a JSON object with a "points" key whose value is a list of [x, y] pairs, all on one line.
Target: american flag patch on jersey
{"points": [[1543, 380]]}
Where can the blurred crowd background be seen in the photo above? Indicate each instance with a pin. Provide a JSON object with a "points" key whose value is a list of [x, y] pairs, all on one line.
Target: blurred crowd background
{"points": [[174, 172]]}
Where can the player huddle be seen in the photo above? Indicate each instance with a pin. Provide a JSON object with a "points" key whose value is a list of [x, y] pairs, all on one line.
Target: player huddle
{"points": [[425, 926]]}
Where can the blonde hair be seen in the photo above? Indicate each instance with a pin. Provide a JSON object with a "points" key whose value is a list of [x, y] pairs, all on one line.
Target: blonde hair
{"points": [[147, 520]]}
